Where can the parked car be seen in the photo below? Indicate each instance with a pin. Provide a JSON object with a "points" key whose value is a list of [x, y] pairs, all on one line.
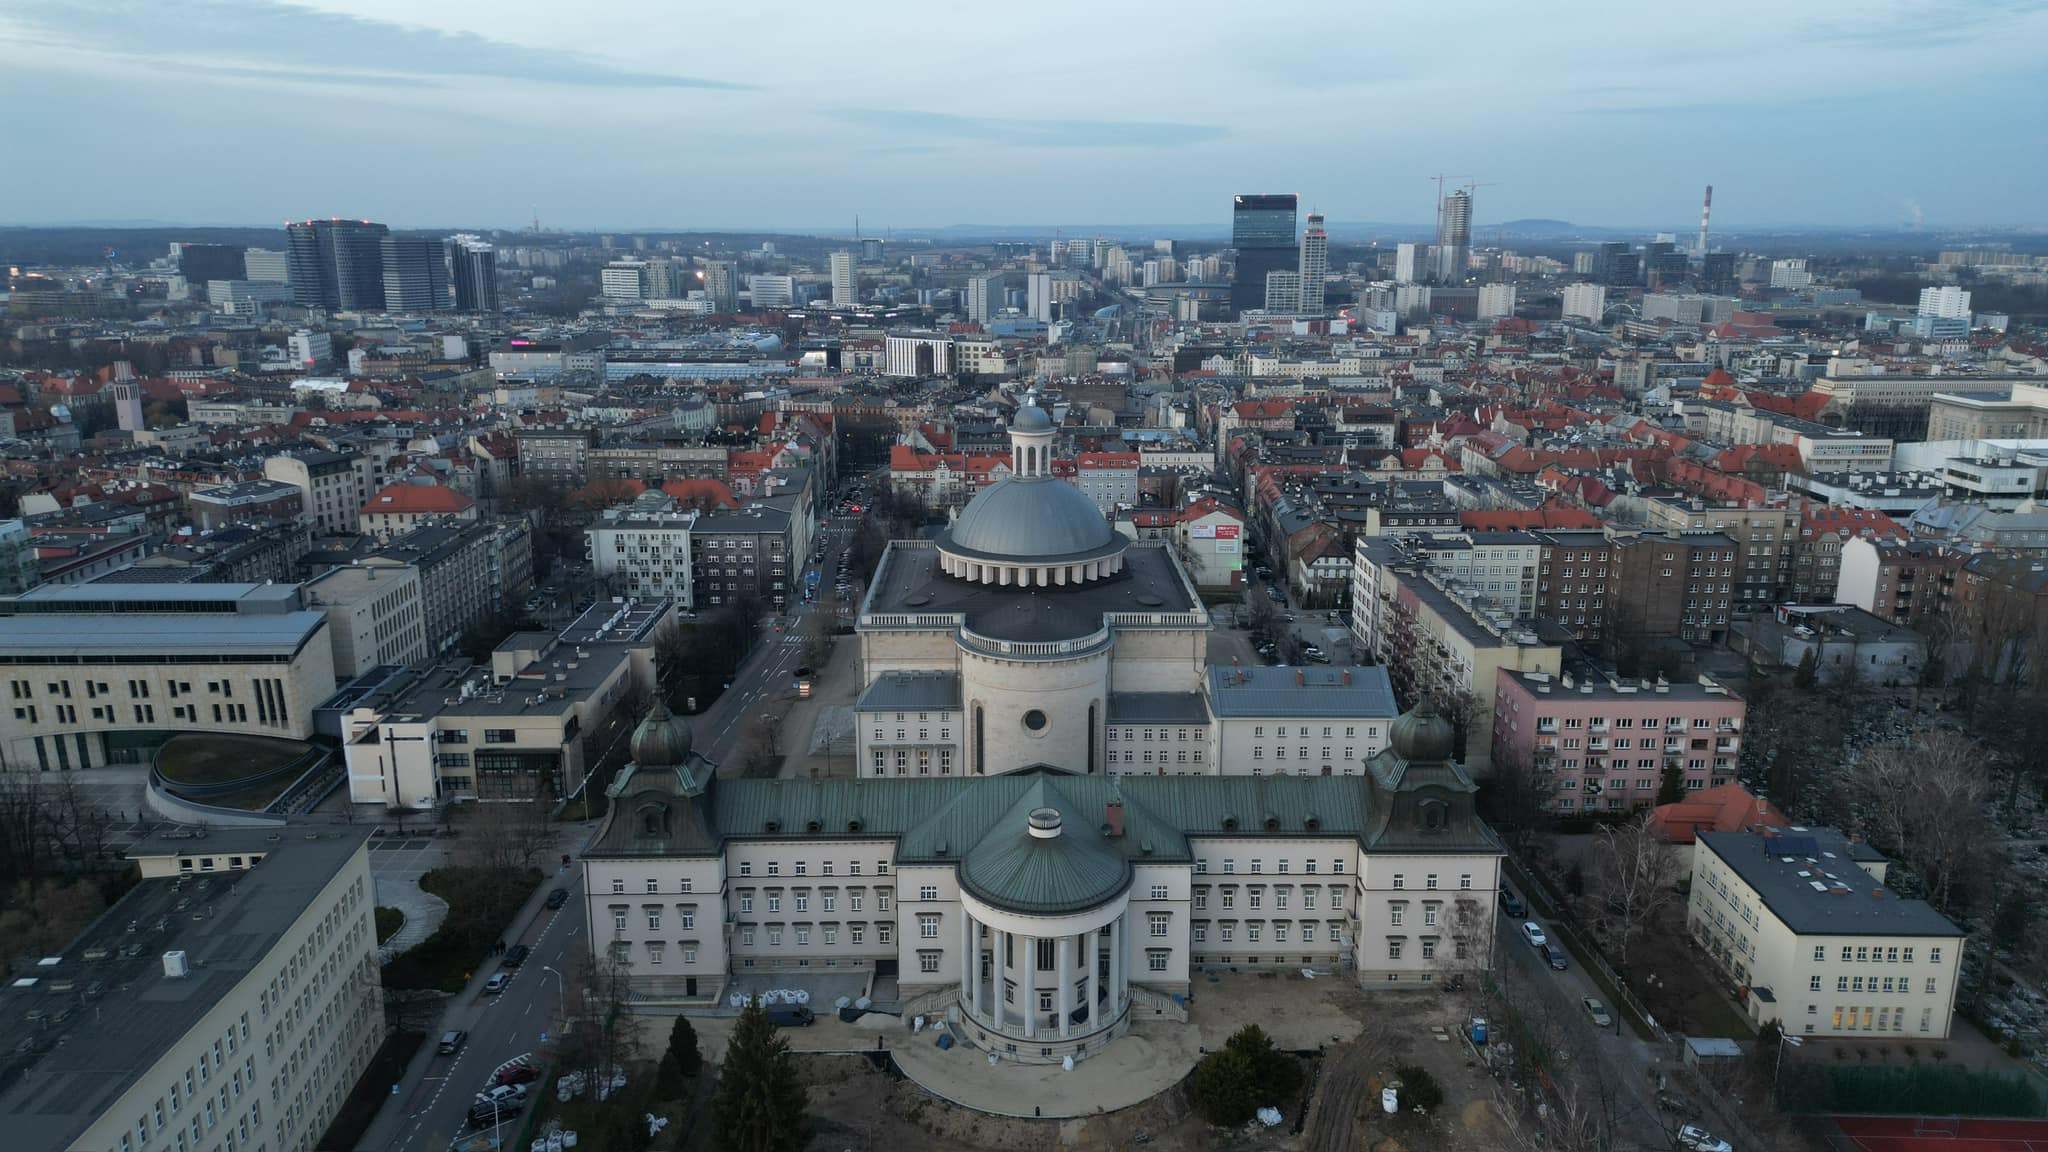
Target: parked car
{"points": [[558, 897], [1511, 903], [790, 1016], [496, 983], [451, 1042], [1533, 933], [1553, 954], [516, 955], [519, 1070], [1598, 1012], [1698, 1139]]}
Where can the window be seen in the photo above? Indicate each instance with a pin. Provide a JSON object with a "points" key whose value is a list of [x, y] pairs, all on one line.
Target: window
{"points": [[1399, 880], [1159, 891], [1155, 961], [928, 892], [928, 961], [1393, 949], [928, 927], [654, 919], [618, 919], [1157, 922]]}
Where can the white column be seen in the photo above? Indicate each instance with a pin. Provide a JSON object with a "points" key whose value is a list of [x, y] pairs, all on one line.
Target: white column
{"points": [[1091, 948], [1028, 947], [1065, 1000], [970, 987], [1116, 966]]}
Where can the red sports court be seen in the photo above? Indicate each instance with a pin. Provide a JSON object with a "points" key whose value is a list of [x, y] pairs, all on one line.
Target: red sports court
{"points": [[1930, 1134]]}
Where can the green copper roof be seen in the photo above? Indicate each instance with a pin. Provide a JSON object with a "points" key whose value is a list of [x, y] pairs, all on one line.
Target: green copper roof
{"points": [[1045, 857]]}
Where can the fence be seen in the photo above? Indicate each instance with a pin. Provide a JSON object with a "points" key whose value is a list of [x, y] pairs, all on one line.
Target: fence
{"points": [[1564, 924]]}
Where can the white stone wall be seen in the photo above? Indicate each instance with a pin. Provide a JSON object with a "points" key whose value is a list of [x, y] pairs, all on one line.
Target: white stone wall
{"points": [[930, 743], [1272, 746], [1064, 693], [1160, 749], [1422, 905]]}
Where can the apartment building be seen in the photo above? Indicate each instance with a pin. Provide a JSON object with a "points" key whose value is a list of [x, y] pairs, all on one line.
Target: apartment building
{"points": [[250, 501], [454, 560], [1801, 920], [404, 506], [100, 673], [332, 486], [1765, 533], [375, 616], [240, 1015], [1670, 585], [746, 552], [558, 457], [1823, 531], [1910, 583], [643, 548], [1314, 721], [1437, 644], [1597, 743]]}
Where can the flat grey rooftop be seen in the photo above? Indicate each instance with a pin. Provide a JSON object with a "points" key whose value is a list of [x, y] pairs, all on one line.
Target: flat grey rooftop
{"points": [[147, 636], [116, 596], [1809, 879], [909, 581], [78, 1067], [912, 692], [1158, 708], [1333, 693]]}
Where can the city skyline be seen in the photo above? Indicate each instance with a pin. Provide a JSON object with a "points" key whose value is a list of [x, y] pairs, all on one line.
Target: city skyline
{"points": [[1581, 116]]}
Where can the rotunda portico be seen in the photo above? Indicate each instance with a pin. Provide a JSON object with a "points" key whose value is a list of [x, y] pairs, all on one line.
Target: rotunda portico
{"points": [[1042, 933]]}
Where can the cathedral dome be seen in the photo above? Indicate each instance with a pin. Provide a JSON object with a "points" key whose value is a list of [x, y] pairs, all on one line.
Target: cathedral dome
{"points": [[1039, 518], [662, 740]]}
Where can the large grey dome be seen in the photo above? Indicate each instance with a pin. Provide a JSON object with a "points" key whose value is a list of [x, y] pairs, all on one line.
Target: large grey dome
{"points": [[1039, 518], [1420, 735]]}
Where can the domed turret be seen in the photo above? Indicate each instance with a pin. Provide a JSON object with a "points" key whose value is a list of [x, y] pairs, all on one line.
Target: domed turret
{"points": [[1031, 529], [1031, 418], [1421, 736], [662, 740]]}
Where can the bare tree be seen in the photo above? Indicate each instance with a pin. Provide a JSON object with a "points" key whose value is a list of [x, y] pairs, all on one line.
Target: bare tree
{"points": [[1926, 796], [1639, 876]]}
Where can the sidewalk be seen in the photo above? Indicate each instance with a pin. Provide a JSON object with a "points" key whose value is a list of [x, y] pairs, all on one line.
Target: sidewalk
{"points": [[817, 734]]}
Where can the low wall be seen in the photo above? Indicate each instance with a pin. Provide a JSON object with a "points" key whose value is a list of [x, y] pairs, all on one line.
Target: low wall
{"points": [[171, 807]]}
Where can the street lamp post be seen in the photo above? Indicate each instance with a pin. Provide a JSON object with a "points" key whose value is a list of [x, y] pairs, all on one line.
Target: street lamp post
{"points": [[561, 990], [1784, 1038]]}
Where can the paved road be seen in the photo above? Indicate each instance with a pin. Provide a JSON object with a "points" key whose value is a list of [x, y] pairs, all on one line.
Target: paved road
{"points": [[429, 1110], [1620, 1061], [766, 681]]}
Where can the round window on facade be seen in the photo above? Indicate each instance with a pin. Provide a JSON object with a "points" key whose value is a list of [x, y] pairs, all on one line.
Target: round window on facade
{"points": [[1034, 720]]}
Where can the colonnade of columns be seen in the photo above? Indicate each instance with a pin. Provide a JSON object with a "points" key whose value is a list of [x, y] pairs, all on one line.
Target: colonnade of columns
{"points": [[1013, 956], [1028, 575]]}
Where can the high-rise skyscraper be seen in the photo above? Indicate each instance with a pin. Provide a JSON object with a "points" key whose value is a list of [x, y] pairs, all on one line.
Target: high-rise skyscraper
{"points": [[843, 282], [1315, 264], [266, 266], [721, 285], [475, 278], [337, 264], [1262, 231], [415, 274], [1454, 236], [984, 297], [1412, 263]]}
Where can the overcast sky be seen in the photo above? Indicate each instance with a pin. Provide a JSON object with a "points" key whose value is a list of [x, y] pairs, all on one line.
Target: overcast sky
{"points": [[675, 113]]}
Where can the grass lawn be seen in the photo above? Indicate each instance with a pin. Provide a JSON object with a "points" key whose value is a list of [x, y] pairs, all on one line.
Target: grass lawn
{"points": [[213, 758], [481, 905], [389, 920]]}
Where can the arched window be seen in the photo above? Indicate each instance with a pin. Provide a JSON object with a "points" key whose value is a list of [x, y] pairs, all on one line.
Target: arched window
{"points": [[1434, 815]]}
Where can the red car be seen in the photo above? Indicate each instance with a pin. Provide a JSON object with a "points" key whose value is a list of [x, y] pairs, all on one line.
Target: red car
{"points": [[519, 1071]]}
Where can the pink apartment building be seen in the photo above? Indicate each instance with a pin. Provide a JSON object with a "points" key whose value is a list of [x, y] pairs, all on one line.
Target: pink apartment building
{"points": [[1603, 744]]}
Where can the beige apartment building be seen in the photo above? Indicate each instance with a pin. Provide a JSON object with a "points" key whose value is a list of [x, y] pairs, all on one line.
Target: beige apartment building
{"points": [[1801, 921], [241, 1001]]}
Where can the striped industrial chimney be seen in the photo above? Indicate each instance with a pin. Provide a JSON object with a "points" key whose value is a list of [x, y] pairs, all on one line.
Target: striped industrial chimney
{"points": [[1706, 208]]}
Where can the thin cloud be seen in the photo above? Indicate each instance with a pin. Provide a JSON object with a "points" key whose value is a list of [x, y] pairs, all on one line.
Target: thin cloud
{"points": [[1035, 133], [285, 38]]}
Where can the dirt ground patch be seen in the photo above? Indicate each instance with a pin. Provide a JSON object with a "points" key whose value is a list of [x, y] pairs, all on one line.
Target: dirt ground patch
{"points": [[1677, 987], [1300, 1014], [856, 1106]]}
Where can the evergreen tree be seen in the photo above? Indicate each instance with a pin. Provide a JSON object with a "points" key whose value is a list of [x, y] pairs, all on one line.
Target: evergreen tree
{"points": [[759, 1104], [1808, 673], [1672, 788], [682, 1045]]}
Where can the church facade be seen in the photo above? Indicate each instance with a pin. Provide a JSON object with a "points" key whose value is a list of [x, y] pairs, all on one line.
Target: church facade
{"points": [[1038, 907]]}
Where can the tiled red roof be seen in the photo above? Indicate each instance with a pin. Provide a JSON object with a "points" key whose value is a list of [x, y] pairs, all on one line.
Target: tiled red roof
{"points": [[417, 499]]}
